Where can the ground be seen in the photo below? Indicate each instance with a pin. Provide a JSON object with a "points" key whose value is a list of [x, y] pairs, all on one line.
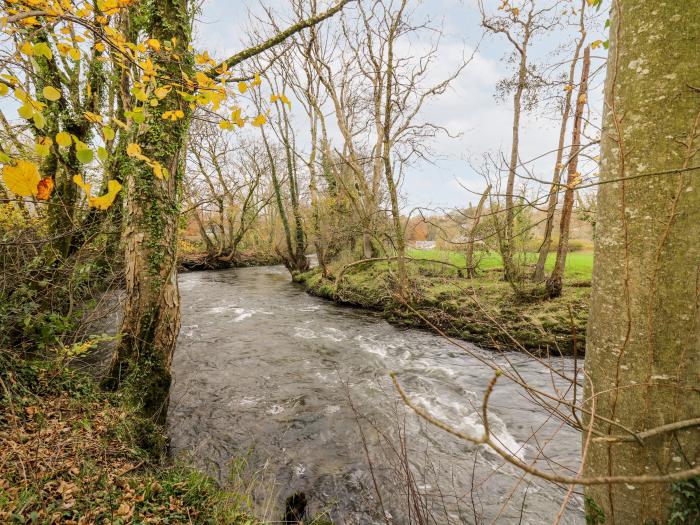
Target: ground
{"points": [[72, 454], [484, 310]]}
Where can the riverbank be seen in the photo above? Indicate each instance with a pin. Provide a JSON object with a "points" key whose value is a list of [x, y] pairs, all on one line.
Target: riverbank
{"points": [[485, 310], [73, 454], [200, 261]]}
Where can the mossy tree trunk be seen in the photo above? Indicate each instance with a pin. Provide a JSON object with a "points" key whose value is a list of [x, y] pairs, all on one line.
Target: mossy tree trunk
{"points": [[644, 330], [151, 314]]}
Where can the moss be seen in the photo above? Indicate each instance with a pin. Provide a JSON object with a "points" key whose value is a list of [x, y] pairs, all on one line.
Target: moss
{"points": [[483, 311]]}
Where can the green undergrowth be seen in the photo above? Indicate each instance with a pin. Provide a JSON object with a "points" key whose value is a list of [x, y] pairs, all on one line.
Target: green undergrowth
{"points": [[72, 454], [484, 310]]}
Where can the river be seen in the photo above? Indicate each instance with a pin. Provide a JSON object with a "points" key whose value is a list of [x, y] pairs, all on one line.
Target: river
{"points": [[291, 393]]}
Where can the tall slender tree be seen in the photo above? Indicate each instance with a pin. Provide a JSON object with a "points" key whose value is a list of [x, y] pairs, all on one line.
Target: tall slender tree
{"points": [[644, 330]]}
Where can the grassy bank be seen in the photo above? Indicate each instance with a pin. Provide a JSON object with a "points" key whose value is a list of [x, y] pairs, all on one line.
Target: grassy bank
{"points": [[72, 454], [484, 310]]}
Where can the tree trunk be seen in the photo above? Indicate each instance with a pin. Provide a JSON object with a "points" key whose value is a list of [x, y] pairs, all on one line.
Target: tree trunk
{"points": [[644, 329], [471, 270], [400, 238], [509, 234], [538, 274], [554, 283], [151, 314]]}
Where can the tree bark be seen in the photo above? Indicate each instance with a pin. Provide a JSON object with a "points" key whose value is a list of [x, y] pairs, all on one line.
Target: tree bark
{"points": [[644, 329], [555, 281], [151, 313]]}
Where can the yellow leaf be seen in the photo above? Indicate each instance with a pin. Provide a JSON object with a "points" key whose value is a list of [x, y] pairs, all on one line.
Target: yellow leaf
{"points": [[22, 178], [242, 87], [105, 201], [26, 111], [74, 53], [596, 44], [133, 150], [256, 82], [284, 99], [43, 146], [153, 44], [159, 171], [100, 47], [92, 117], [27, 48], [80, 182], [162, 92], [259, 120], [51, 93]]}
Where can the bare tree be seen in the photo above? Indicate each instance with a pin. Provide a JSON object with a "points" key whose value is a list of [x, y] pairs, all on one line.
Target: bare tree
{"points": [[538, 274], [519, 24], [554, 283]]}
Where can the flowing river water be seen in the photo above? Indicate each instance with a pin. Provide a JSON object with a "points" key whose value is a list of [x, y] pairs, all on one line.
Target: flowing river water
{"points": [[291, 393]]}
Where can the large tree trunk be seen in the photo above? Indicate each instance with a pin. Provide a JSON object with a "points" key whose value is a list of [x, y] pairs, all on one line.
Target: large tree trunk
{"points": [[555, 281], [644, 330], [151, 313]]}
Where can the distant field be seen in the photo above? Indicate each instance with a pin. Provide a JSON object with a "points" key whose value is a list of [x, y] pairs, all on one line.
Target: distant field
{"points": [[579, 265]]}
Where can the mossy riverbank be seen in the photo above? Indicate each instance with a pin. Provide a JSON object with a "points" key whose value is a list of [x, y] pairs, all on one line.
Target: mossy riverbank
{"points": [[484, 311]]}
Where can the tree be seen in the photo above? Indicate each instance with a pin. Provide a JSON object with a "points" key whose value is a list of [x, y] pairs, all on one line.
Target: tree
{"points": [[151, 320], [520, 24], [644, 329], [538, 274], [151, 314], [471, 236], [554, 283]]}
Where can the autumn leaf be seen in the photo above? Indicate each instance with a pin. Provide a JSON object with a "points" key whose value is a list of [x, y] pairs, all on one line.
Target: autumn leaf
{"points": [[161, 92], [242, 87], [256, 82], [259, 120], [153, 44], [44, 189], [105, 201], [22, 178], [63, 139], [51, 93], [27, 49], [159, 171], [133, 150], [79, 181]]}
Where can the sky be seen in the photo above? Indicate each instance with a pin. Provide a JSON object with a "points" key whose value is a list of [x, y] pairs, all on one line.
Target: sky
{"points": [[468, 109]]}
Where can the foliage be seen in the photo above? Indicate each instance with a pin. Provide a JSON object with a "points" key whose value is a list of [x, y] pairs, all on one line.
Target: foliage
{"points": [[685, 509], [594, 513], [71, 457]]}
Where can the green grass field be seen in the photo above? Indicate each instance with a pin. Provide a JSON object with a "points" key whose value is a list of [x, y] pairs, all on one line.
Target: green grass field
{"points": [[579, 265]]}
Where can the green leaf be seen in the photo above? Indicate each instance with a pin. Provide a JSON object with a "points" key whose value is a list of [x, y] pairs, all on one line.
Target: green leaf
{"points": [[84, 155], [102, 154]]}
